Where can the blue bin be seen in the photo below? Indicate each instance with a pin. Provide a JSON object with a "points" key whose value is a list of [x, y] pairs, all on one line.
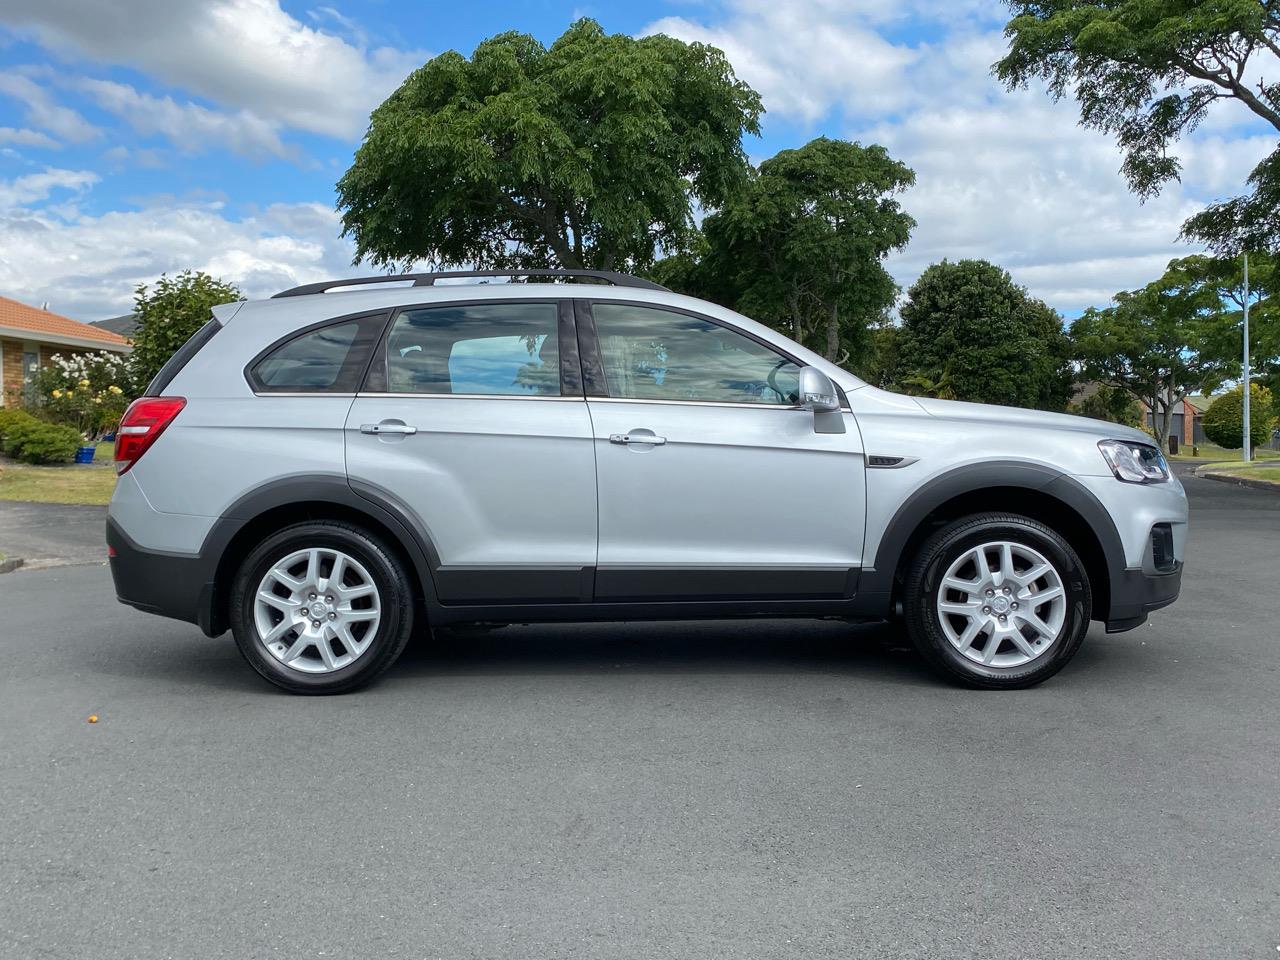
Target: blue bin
{"points": [[85, 454]]}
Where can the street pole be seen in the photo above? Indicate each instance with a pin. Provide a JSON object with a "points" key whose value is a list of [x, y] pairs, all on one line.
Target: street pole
{"points": [[1246, 358]]}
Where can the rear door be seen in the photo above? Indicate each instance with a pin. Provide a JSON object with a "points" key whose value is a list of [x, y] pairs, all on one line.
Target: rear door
{"points": [[473, 419], [713, 484]]}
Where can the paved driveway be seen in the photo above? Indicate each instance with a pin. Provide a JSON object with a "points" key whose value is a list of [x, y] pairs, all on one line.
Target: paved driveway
{"points": [[686, 791]]}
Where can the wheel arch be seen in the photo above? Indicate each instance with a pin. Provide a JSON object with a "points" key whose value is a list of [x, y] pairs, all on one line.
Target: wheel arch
{"points": [[1039, 492], [298, 499]]}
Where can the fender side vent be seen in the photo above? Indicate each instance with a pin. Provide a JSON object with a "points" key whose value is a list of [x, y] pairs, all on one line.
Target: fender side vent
{"points": [[879, 461]]}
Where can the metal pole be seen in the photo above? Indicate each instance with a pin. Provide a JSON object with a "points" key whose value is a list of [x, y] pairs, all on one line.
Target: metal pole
{"points": [[1246, 359]]}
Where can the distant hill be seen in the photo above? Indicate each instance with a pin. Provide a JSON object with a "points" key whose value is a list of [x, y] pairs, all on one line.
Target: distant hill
{"points": [[125, 326]]}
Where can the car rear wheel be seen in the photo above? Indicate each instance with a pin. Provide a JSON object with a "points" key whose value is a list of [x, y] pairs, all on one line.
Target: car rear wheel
{"points": [[997, 601], [321, 607]]}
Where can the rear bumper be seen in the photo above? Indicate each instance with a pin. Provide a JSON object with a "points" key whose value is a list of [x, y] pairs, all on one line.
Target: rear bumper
{"points": [[173, 585], [1135, 593]]}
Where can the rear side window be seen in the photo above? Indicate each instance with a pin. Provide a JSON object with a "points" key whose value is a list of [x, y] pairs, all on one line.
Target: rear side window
{"points": [[503, 349], [327, 359]]}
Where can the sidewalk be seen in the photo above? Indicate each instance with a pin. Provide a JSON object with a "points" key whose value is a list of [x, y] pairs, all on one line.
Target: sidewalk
{"points": [[45, 534]]}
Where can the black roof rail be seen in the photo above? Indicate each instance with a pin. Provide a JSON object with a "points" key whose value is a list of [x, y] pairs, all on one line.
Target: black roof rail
{"points": [[429, 279]]}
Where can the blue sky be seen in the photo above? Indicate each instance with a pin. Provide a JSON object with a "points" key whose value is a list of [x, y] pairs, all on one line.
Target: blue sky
{"points": [[143, 136]]}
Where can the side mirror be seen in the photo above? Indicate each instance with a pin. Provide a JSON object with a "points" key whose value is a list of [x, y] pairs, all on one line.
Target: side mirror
{"points": [[817, 392]]}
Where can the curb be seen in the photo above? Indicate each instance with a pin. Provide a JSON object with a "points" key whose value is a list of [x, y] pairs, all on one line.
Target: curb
{"points": [[10, 565], [1241, 481]]}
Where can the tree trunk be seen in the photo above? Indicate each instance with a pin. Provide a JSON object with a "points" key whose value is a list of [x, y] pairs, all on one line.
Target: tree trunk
{"points": [[833, 333]]}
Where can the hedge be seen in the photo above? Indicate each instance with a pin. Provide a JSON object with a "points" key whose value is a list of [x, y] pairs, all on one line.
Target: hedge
{"points": [[1224, 421]]}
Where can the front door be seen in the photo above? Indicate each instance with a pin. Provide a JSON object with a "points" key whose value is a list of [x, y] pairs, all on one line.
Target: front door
{"points": [[713, 485], [469, 421]]}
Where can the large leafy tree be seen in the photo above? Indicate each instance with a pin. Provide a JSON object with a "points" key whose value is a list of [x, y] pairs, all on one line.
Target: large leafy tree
{"points": [[1147, 72], [168, 313], [970, 333], [802, 245], [1223, 277], [590, 153], [1158, 344]]}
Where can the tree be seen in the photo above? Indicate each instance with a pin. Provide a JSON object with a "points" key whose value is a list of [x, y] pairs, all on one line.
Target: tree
{"points": [[586, 154], [1109, 403], [1224, 277], [1224, 421], [1157, 344], [1147, 72], [801, 246], [970, 333], [169, 314]]}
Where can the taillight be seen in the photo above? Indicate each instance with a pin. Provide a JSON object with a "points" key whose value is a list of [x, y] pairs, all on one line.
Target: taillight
{"points": [[141, 424]]}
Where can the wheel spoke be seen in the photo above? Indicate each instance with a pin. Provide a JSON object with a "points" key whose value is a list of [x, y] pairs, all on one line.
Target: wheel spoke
{"points": [[359, 616], [970, 634], [295, 651], [1036, 624], [967, 609], [313, 567], [325, 646], [963, 586], [279, 630], [1007, 571], [993, 645], [355, 593], [980, 562], [334, 581], [1021, 643], [286, 579], [286, 605], [1044, 596], [1028, 577]]}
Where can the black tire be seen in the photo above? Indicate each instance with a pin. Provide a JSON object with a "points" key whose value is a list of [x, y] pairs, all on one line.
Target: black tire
{"points": [[394, 595], [922, 583]]}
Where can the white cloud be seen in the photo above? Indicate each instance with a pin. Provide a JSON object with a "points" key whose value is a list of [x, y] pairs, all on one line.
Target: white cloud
{"points": [[188, 125], [1009, 177], [248, 55], [44, 112], [87, 266], [27, 138], [33, 187]]}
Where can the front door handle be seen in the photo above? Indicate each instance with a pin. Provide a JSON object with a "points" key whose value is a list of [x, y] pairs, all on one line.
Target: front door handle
{"points": [[647, 438], [387, 426]]}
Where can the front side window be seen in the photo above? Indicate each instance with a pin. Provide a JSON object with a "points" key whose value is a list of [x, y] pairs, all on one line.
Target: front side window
{"points": [[655, 354], [325, 360], [500, 349]]}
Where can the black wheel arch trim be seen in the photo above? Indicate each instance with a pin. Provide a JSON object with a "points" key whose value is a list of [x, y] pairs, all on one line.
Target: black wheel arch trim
{"points": [[877, 587]]}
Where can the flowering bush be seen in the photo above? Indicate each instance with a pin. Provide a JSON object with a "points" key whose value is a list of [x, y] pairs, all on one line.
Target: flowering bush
{"points": [[88, 391]]}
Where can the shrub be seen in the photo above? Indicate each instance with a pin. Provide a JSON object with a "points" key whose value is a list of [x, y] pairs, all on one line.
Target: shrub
{"points": [[1224, 421], [33, 441], [88, 391], [10, 417]]}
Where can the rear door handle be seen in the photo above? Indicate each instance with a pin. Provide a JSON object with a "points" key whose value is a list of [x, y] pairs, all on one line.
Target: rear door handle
{"points": [[387, 426], [648, 438]]}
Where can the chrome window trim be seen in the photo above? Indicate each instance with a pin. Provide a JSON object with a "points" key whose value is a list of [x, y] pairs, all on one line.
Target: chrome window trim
{"points": [[463, 396], [303, 393], [708, 403]]}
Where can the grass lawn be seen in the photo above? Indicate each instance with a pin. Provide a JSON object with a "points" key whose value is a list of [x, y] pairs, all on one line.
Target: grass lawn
{"points": [[1209, 451], [1234, 468], [68, 483]]}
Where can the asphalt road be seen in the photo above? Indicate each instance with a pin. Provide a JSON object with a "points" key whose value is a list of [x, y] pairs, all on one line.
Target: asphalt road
{"points": [[630, 791]]}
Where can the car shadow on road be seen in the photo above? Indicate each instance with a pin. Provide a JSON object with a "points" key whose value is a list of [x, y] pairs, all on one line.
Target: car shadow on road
{"points": [[877, 651]]}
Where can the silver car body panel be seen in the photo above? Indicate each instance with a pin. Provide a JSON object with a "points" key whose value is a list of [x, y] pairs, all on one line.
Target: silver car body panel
{"points": [[499, 489]]}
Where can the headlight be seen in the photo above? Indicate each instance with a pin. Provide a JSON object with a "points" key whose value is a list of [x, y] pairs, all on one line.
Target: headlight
{"points": [[1134, 462]]}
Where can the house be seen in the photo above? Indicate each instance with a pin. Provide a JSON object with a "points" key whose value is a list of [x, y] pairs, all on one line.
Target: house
{"points": [[1187, 414], [29, 338]]}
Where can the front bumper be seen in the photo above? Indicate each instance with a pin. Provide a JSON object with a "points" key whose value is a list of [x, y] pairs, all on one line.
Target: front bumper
{"points": [[1135, 593]]}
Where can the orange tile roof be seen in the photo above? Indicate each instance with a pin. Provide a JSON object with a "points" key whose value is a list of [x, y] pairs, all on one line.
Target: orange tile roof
{"points": [[19, 316]]}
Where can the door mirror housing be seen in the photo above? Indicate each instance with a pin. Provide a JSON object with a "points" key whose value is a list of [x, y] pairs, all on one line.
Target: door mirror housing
{"points": [[817, 392]]}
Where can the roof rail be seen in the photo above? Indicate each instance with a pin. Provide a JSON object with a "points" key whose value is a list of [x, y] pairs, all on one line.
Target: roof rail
{"points": [[429, 279]]}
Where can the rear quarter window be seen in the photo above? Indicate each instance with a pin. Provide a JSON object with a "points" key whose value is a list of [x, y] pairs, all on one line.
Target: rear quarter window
{"points": [[327, 358]]}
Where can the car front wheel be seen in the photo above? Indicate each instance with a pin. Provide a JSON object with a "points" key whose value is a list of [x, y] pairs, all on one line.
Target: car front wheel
{"points": [[997, 601], [321, 607]]}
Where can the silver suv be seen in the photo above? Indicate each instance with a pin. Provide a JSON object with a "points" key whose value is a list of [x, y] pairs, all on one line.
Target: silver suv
{"points": [[324, 471]]}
